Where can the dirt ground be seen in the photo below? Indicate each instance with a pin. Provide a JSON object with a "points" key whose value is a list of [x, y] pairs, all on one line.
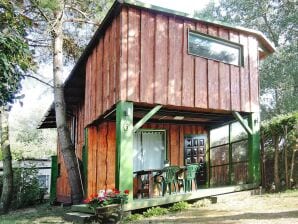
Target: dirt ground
{"points": [[264, 209]]}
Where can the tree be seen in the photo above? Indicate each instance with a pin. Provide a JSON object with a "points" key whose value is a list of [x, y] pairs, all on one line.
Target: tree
{"points": [[280, 134], [55, 19], [15, 60], [278, 20]]}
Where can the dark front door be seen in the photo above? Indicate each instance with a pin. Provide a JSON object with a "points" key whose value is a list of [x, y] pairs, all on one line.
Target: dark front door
{"points": [[195, 153]]}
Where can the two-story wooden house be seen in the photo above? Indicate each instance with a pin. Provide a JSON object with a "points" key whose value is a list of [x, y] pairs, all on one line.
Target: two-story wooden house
{"points": [[155, 84]]}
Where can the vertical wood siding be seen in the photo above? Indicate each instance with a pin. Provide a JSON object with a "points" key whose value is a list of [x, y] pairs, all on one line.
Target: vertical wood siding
{"points": [[102, 151], [156, 68], [103, 84], [101, 157]]}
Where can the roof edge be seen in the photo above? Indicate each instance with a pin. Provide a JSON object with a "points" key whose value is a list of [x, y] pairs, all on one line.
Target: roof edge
{"points": [[270, 48]]}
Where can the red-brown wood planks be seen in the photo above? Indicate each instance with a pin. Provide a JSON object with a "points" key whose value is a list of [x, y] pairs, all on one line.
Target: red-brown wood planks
{"points": [[201, 76], [213, 81], [244, 76], [133, 55], [102, 156], [254, 76], [123, 54], [235, 78], [175, 61], [161, 60], [224, 78], [112, 64], [99, 79], [147, 57], [111, 155], [188, 84]]}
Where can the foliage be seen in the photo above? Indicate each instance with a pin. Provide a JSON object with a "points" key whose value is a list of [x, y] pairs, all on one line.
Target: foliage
{"points": [[26, 189], [107, 198], [155, 211], [15, 57], [29, 142], [133, 217], [278, 20], [277, 124], [179, 206], [80, 19]]}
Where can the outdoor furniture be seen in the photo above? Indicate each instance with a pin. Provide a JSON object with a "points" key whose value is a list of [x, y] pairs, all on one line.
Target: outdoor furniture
{"points": [[169, 178], [145, 182], [190, 176]]}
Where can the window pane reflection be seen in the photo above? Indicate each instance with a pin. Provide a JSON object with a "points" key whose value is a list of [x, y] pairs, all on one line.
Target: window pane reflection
{"points": [[213, 48]]}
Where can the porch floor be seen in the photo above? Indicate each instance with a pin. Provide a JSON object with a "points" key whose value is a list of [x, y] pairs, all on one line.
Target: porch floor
{"points": [[173, 198]]}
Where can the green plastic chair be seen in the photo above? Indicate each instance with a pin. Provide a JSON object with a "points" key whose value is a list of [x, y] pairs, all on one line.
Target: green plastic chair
{"points": [[169, 177], [190, 176]]}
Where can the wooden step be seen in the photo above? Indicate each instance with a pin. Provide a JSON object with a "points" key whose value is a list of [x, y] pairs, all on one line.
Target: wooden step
{"points": [[79, 217]]}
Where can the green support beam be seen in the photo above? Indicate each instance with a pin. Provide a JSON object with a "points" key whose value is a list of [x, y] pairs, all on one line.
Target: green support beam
{"points": [[85, 162], [254, 172], [124, 147], [54, 176], [146, 117], [242, 122]]}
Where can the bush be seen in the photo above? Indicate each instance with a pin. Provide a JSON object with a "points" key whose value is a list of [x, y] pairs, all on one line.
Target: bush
{"points": [[133, 217], [179, 206], [156, 211]]}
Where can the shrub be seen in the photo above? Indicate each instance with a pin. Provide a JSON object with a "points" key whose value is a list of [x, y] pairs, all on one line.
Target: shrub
{"points": [[133, 217], [156, 211], [26, 187], [179, 206]]}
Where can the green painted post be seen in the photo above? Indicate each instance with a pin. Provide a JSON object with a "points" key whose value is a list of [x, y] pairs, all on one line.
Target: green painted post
{"points": [[85, 161], [231, 170], [54, 175], [254, 149], [124, 147]]}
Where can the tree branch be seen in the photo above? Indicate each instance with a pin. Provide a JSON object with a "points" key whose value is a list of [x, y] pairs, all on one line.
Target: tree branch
{"points": [[77, 20], [43, 82], [40, 11], [77, 10]]}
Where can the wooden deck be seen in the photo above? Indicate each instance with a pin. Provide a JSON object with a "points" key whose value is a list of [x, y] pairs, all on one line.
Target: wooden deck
{"points": [[169, 199]]}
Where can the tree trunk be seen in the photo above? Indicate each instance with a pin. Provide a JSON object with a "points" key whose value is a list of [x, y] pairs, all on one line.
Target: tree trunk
{"points": [[276, 161], [7, 189], [67, 147], [293, 162], [286, 157], [263, 161]]}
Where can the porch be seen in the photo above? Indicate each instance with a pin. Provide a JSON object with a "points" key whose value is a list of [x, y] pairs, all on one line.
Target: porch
{"points": [[223, 173], [173, 198]]}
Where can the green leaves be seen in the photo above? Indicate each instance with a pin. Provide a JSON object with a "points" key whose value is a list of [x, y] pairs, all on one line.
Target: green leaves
{"points": [[15, 57]]}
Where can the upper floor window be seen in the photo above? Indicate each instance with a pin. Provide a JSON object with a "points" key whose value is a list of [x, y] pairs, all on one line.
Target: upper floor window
{"points": [[214, 48]]}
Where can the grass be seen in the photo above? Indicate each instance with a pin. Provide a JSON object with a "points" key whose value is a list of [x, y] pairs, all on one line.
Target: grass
{"points": [[39, 214]]}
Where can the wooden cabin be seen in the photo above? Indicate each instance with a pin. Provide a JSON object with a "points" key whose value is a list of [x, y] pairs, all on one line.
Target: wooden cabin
{"points": [[155, 84]]}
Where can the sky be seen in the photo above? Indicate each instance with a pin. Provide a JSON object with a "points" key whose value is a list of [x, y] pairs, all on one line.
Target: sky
{"points": [[40, 96]]}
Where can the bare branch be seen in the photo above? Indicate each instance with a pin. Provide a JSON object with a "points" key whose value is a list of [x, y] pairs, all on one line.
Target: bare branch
{"points": [[39, 45], [40, 11], [33, 77], [77, 20], [77, 10]]}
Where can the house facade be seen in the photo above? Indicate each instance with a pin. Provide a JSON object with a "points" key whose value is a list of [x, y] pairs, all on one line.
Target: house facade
{"points": [[156, 85]]}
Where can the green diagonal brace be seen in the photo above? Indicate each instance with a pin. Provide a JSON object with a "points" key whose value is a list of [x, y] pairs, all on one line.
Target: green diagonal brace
{"points": [[242, 122], [146, 117]]}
